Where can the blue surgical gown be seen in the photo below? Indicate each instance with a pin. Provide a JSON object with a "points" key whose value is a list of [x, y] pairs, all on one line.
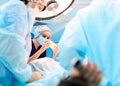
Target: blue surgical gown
{"points": [[15, 39], [95, 32], [14, 16], [5, 76]]}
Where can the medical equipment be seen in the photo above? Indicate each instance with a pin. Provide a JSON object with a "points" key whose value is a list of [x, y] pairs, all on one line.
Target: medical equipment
{"points": [[54, 8], [51, 4]]}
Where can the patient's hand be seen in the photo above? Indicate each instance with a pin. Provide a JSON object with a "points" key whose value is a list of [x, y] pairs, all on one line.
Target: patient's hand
{"points": [[35, 76]]}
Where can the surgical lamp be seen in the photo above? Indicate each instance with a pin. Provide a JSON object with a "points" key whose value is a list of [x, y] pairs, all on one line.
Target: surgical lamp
{"points": [[54, 8]]}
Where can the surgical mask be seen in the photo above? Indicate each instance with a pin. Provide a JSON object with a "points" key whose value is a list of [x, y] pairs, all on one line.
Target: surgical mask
{"points": [[33, 11], [41, 40]]}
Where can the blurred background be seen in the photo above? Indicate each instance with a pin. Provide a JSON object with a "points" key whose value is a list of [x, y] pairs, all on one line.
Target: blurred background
{"points": [[58, 23]]}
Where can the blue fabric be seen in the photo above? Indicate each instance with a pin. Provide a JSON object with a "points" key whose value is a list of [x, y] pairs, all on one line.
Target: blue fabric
{"points": [[95, 32], [15, 46], [52, 79], [32, 35], [17, 20], [11, 56], [3, 2], [5, 76], [15, 28], [49, 52]]}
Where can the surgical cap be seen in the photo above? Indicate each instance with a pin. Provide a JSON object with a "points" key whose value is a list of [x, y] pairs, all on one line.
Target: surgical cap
{"points": [[37, 30]]}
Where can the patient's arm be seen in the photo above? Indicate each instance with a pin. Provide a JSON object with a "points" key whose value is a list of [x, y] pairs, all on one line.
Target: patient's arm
{"points": [[35, 76]]}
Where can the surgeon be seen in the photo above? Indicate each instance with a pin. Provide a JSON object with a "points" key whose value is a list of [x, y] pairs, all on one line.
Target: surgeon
{"points": [[95, 33], [41, 42], [15, 28]]}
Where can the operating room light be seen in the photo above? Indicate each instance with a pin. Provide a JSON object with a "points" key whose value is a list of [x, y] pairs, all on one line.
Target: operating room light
{"points": [[54, 8], [51, 5]]}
